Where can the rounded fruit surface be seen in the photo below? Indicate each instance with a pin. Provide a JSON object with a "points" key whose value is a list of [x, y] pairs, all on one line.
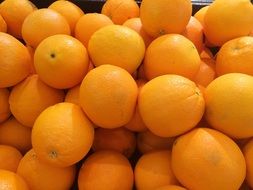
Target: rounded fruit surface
{"points": [[248, 155], [200, 15], [171, 187], [4, 104], [3, 25], [217, 159], [72, 96]]}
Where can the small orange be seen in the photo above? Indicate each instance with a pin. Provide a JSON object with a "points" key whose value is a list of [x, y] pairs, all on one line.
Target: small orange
{"points": [[171, 187], [40, 176], [62, 135], [9, 158], [51, 21], [15, 62], [14, 134], [3, 25], [113, 165], [200, 15], [72, 95], [207, 159], [120, 10], [165, 16], [108, 96], [120, 140], [88, 24], [61, 61], [30, 97], [4, 104], [117, 45], [171, 54], [248, 155]]}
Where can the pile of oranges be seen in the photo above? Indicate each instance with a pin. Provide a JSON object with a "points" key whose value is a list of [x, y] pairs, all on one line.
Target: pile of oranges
{"points": [[129, 98]]}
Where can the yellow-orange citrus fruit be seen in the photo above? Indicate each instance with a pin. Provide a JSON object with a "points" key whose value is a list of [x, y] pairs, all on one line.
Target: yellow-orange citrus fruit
{"points": [[171, 187], [72, 95], [62, 135], [3, 25], [248, 155], [217, 159], [4, 104], [200, 15]]}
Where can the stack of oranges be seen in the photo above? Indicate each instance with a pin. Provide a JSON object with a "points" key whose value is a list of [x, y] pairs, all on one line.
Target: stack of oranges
{"points": [[129, 98]]}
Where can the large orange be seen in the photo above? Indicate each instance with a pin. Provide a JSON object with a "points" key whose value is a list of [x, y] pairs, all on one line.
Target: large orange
{"points": [[117, 45], [120, 10], [14, 13], [51, 21], [165, 16], [4, 104], [228, 99], [108, 96], [153, 170], [3, 25], [30, 97], [207, 159], [219, 24], [14, 134], [40, 176], [170, 105], [88, 24], [61, 61], [62, 135], [171, 187], [248, 154], [200, 15], [15, 61], [171, 54], [106, 169]]}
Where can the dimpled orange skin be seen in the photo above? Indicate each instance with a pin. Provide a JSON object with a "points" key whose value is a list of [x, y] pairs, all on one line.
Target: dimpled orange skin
{"points": [[248, 154], [217, 159], [171, 187], [170, 105], [171, 54], [108, 96], [4, 104]]}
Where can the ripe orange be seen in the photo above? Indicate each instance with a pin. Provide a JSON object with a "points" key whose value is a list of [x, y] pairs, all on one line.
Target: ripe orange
{"points": [[14, 13], [3, 25], [40, 176], [69, 10], [228, 99], [200, 15], [62, 135], [88, 24], [148, 142], [61, 61], [171, 54], [170, 105], [153, 170], [171, 187], [248, 154], [9, 158], [220, 26], [120, 140], [11, 181], [207, 159], [30, 97], [165, 16], [4, 104], [14, 134], [108, 96], [51, 21], [120, 10], [15, 61], [72, 95], [117, 45]]}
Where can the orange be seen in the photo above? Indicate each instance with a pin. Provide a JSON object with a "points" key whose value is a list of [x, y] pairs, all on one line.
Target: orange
{"points": [[228, 99], [11, 181], [69, 10], [135, 24], [148, 142], [61, 61], [120, 140], [171, 54], [200, 15], [207, 159], [219, 24], [113, 165], [117, 45], [66, 124], [108, 96], [4, 104], [248, 154], [14, 13], [14, 134], [206, 53], [72, 95], [153, 170], [236, 56], [170, 105], [3, 25], [51, 21], [9, 158], [40, 176], [165, 16], [120, 10], [31, 52], [88, 24], [15, 61], [136, 124], [171, 187], [194, 32], [30, 97]]}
